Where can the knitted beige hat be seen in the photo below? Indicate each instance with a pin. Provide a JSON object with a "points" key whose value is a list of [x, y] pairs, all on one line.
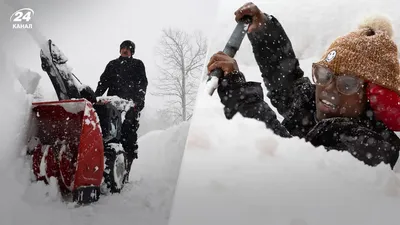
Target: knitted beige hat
{"points": [[369, 53]]}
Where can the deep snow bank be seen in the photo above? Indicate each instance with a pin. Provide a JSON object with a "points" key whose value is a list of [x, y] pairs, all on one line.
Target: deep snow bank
{"points": [[14, 105], [151, 119], [238, 172], [157, 170], [146, 200]]}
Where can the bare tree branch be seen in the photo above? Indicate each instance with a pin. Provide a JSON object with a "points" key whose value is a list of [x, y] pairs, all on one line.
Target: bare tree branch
{"points": [[182, 58]]}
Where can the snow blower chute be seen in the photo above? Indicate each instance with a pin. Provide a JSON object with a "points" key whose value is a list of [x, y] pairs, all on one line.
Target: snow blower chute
{"points": [[74, 143]]}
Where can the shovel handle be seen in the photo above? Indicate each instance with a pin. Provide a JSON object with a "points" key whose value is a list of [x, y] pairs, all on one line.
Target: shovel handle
{"points": [[231, 47]]}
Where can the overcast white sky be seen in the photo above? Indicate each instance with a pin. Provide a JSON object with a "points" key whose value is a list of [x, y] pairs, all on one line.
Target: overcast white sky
{"points": [[89, 32]]}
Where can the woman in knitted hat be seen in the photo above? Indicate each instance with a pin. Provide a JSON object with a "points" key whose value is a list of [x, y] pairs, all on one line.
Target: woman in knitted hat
{"points": [[340, 110]]}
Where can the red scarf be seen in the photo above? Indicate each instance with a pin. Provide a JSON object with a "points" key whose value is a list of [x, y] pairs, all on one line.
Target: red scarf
{"points": [[386, 105]]}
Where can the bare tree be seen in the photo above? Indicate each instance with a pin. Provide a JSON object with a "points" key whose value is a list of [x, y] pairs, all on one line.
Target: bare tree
{"points": [[182, 56]]}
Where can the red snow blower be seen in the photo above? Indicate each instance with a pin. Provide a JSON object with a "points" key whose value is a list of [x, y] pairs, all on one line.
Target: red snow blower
{"points": [[74, 143], [69, 147]]}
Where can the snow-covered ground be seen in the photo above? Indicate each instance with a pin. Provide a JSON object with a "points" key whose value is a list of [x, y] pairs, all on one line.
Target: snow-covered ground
{"points": [[238, 172], [146, 200]]}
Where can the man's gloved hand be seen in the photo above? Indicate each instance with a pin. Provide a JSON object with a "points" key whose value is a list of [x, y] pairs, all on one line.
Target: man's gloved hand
{"points": [[88, 94]]}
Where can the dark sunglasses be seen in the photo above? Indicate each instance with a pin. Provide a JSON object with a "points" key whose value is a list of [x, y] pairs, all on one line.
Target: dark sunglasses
{"points": [[345, 84]]}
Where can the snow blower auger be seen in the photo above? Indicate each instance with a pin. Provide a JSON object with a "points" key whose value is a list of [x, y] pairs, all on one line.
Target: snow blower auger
{"points": [[75, 142]]}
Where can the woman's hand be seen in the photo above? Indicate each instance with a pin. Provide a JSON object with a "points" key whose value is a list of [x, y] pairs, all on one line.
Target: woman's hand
{"points": [[250, 9], [224, 62]]}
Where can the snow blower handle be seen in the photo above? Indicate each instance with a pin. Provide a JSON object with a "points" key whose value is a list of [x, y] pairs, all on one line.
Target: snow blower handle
{"points": [[230, 49]]}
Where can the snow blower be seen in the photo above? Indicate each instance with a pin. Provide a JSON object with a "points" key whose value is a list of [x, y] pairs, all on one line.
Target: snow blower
{"points": [[231, 47], [74, 143]]}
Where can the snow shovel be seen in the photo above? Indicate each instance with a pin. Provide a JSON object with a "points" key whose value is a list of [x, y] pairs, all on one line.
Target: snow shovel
{"points": [[231, 47]]}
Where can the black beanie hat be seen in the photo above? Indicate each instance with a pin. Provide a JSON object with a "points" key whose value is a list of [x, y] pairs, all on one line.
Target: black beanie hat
{"points": [[129, 44]]}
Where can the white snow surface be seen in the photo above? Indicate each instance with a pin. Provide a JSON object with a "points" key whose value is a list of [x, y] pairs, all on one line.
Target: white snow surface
{"points": [[29, 80], [145, 200], [122, 105], [238, 172]]}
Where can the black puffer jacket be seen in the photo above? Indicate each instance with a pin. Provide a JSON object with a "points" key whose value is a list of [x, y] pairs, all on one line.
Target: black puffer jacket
{"points": [[125, 78], [294, 97]]}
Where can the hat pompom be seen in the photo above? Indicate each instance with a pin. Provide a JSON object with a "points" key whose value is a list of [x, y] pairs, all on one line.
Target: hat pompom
{"points": [[377, 23]]}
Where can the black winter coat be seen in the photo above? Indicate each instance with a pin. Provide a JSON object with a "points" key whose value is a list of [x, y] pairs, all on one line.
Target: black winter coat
{"points": [[294, 97], [125, 78]]}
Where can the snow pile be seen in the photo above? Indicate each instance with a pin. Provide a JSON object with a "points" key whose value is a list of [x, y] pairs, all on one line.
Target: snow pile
{"points": [[122, 105], [160, 154], [29, 80], [146, 200], [152, 118], [238, 172], [14, 107]]}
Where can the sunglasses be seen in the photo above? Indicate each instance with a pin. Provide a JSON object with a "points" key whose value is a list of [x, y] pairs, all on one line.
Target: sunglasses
{"points": [[345, 84]]}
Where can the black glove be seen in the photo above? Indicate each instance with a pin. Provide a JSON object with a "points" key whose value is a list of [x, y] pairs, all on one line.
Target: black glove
{"points": [[88, 94]]}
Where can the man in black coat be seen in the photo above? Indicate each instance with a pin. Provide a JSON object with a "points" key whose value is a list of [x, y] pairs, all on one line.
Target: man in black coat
{"points": [[335, 112], [125, 77]]}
